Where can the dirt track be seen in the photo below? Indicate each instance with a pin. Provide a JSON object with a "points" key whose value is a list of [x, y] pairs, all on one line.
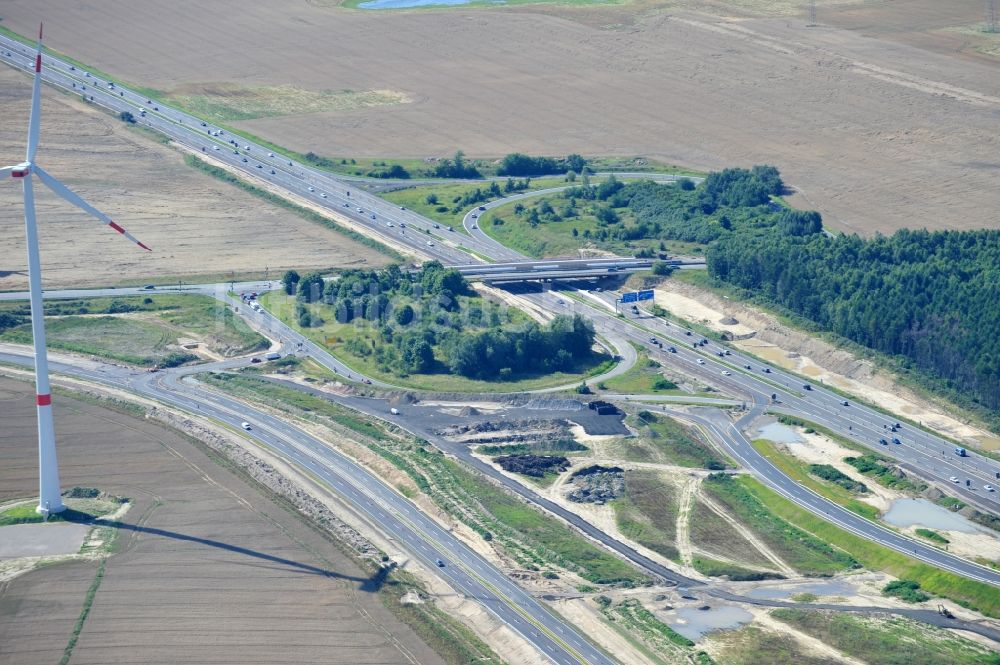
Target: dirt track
{"points": [[874, 132], [195, 224], [181, 591]]}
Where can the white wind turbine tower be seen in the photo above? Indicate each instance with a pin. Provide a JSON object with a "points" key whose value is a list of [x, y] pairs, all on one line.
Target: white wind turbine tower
{"points": [[49, 499]]}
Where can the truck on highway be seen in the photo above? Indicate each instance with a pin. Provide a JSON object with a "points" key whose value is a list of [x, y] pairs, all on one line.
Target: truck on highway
{"points": [[394, 411], [273, 355], [961, 452]]}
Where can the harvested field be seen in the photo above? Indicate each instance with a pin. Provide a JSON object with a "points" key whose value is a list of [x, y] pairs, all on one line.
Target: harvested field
{"points": [[209, 570], [881, 117], [196, 225]]}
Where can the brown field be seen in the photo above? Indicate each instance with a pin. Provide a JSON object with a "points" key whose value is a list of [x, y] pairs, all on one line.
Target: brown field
{"points": [[884, 116], [178, 591], [195, 224]]}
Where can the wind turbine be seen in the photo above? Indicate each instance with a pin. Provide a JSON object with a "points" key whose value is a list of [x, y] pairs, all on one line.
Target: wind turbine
{"points": [[49, 497]]}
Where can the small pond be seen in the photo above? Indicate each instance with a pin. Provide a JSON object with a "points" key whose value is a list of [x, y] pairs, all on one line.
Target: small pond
{"points": [[832, 588], [692, 623], [779, 433], [921, 512], [404, 4]]}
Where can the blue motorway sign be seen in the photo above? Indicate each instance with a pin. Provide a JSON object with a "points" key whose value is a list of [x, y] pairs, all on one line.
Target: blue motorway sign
{"points": [[646, 295], [631, 296]]}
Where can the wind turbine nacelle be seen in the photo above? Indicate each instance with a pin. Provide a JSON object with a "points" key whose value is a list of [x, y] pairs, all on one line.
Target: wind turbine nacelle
{"points": [[20, 170]]}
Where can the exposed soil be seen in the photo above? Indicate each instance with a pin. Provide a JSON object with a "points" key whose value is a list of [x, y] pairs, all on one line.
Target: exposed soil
{"points": [[881, 116], [195, 224], [209, 570]]}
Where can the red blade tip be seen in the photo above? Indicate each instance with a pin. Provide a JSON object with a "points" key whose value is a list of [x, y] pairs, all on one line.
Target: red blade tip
{"points": [[40, 31], [144, 247]]}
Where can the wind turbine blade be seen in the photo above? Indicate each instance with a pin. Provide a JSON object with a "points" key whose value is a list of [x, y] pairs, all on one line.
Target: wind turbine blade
{"points": [[5, 170], [36, 110], [71, 196]]}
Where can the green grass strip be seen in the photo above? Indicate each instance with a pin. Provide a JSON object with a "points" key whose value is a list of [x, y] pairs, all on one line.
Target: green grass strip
{"points": [[968, 593], [88, 601], [798, 471]]}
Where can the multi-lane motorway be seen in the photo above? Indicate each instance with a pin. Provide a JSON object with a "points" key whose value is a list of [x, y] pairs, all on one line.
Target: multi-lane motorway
{"points": [[735, 373]]}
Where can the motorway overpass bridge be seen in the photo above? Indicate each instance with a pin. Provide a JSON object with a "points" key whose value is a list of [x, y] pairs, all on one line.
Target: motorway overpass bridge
{"points": [[544, 270]]}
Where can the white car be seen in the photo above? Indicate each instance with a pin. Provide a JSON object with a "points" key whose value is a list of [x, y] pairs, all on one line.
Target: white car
{"points": [[701, 361], [360, 210], [953, 479], [215, 147], [726, 372], [430, 244], [323, 194], [312, 189], [988, 488], [389, 224], [245, 425], [270, 154]]}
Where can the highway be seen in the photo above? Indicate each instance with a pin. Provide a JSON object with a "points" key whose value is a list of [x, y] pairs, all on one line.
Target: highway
{"points": [[396, 516], [929, 454]]}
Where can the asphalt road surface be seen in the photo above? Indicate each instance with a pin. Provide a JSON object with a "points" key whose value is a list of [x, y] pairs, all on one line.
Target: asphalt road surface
{"points": [[416, 533]]}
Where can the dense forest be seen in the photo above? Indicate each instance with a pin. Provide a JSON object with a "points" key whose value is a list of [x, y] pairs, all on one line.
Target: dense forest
{"points": [[930, 298], [426, 322]]}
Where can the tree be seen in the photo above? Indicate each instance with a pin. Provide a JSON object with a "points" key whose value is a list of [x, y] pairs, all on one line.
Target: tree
{"points": [[289, 281], [310, 287], [404, 315], [575, 163], [432, 199], [662, 268]]}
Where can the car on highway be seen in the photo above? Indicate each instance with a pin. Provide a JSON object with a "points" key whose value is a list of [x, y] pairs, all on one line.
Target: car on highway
{"points": [[483, 208], [953, 479], [255, 360], [474, 227], [701, 361], [346, 204], [245, 425], [215, 147], [806, 386], [272, 172], [844, 403], [402, 207], [726, 372], [373, 215], [360, 210], [204, 124], [886, 443], [560, 301], [440, 563], [244, 159], [312, 189], [389, 224], [988, 488], [430, 244], [437, 226], [149, 287], [270, 154], [260, 166], [672, 349], [323, 194]]}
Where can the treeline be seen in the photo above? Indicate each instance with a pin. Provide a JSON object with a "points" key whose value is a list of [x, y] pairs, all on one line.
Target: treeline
{"points": [[520, 165], [931, 299], [504, 354]]}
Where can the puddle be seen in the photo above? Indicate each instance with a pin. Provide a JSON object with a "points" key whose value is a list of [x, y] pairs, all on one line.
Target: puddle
{"points": [[921, 512], [779, 433], [693, 623], [834, 588]]}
